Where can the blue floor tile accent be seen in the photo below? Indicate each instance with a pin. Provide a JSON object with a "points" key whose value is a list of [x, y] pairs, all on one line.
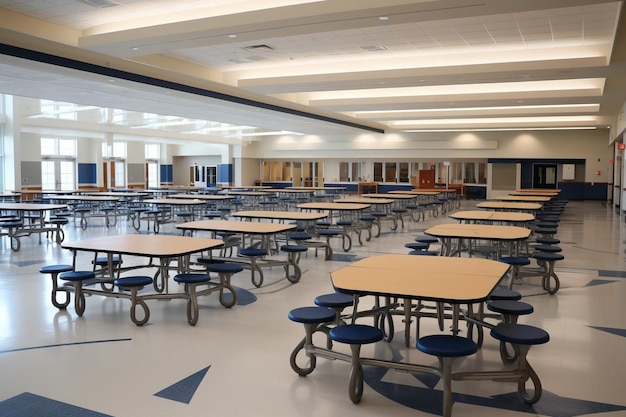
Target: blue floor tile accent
{"points": [[343, 257], [65, 344], [595, 282], [244, 297], [430, 400], [612, 274], [31, 405], [26, 263], [183, 390], [617, 332]]}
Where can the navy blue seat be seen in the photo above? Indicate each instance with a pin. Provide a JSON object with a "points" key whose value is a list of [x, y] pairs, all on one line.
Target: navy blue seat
{"points": [[54, 271], [355, 335], [417, 245], [312, 315], [134, 284], [510, 309], [427, 239], [424, 253], [504, 294], [446, 348], [293, 257], [254, 254], [225, 272], [191, 281], [548, 248], [520, 334], [337, 301], [516, 263], [547, 259], [76, 279]]}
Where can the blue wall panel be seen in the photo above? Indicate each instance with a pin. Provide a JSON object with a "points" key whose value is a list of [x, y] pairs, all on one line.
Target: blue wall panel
{"points": [[87, 174], [167, 173], [225, 173]]}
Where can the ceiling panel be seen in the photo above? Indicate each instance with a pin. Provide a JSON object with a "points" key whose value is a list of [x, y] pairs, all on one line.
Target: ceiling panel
{"points": [[337, 65]]}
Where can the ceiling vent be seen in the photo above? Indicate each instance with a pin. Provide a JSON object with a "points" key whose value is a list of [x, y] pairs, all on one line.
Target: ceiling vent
{"points": [[101, 4], [261, 47], [374, 48]]}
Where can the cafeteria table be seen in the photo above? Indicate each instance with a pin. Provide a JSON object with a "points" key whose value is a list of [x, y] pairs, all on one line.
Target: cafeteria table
{"points": [[248, 232], [18, 225], [164, 248], [454, 281], [453, 235]]}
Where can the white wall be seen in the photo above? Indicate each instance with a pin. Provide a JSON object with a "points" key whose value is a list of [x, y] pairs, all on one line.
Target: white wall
{"points": [[591, 145]]}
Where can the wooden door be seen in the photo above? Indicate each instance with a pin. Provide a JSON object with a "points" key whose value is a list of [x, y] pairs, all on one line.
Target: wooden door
{"points": [[426, 178]]}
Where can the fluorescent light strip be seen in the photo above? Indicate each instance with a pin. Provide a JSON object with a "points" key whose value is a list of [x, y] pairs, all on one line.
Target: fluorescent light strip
{"points": [[282, 132], [494, 120], [448, 110], [502, 129]]}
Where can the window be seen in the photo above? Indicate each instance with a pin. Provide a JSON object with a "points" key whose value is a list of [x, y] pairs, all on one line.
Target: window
{"points": [[58, 165], [59, 109], [120, 174], [119, 150], [403, 172], [378, 172], [58, 147], [152, 151], [349, 171], [153, 174], [470, 173]]}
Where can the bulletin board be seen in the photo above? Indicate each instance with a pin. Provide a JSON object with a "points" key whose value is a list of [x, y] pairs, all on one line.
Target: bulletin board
{"points": [[569, 172]]}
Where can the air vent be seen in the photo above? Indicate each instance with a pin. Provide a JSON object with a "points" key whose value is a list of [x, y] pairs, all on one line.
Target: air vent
{"points": [[374, 48], [101, 4], [261, 47]]}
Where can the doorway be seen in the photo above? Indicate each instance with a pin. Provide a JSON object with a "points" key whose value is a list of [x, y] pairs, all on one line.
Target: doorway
{"points": [[544, 176]]}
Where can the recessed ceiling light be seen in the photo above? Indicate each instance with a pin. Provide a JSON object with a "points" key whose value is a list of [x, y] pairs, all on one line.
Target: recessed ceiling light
{"points": [[101, 4], [374, 48], [135, 48], [232, 36], [383, 18]]}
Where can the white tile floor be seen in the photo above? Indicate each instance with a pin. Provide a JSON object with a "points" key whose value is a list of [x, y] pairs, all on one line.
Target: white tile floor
{"points": [[104, 363]]}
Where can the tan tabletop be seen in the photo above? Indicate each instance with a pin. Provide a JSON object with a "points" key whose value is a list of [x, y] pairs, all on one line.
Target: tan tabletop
{"points": [[245, 187], [434, 278], [121, 194], [333, 206], [159, 191], [524, 198], [393, 196], [507, 205], [248, 193], [84, 198], [364, 200], [438, 190], [292, 191], [173, 201], [278, 215], [204, 197], [478, 231], [13, 196], [415, 192], [258, 228], [144, 245], [535, 193], [181, 187], [539, 190], [318, 188], [493, 216], [31, 207], [50, 192]]}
